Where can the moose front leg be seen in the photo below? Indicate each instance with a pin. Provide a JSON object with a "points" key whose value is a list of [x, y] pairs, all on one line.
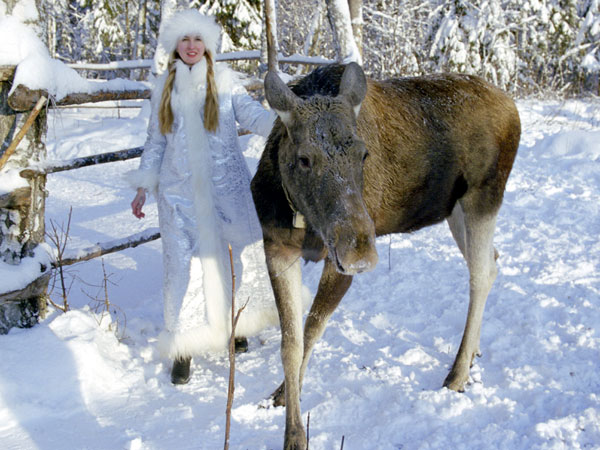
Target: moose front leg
{"points": [[332, 287], [284, 270], [481, 261]]}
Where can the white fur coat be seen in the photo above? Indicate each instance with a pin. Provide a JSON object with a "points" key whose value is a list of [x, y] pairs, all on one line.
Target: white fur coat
{"points": [[202, 185]]}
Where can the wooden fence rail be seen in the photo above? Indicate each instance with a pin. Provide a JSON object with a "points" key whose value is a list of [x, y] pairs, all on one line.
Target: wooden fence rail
{"points": [[104, 248], [84, 161]]}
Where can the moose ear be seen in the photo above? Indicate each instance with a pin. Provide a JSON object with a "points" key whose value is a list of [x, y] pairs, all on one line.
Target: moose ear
{"points": [[353, 86], [280, 97]]}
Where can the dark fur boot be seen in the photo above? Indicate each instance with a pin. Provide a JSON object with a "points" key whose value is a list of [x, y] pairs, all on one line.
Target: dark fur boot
{"points": [[241, 345], [180, 373]]}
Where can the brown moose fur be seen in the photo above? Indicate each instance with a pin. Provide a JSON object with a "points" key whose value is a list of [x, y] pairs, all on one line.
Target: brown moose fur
{"points": [[439, 147]]}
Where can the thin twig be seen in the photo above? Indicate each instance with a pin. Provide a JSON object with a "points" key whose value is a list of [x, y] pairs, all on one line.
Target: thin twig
{"points": [[390, 253], [307, 430], [234, 321], [105, 285], [60, 242]]}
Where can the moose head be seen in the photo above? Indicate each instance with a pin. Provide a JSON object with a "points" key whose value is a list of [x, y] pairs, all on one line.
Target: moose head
{"points": [[321, 161]]}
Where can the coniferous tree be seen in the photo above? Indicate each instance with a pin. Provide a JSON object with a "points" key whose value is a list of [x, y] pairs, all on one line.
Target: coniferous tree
{"points": [[472, 39], [241, 21], [107, 34]]}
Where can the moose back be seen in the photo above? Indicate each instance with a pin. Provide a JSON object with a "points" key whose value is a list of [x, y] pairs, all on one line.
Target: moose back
{"points": [[357, 158]]}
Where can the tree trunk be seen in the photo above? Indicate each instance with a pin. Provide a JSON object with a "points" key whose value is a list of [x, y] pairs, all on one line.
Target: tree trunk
{"points": [[270, 38], [356, 19], [311, 43], [338, 12], [22, 211]]}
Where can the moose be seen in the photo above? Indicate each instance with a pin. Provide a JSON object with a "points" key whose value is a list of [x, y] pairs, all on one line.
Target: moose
{"points": [[351, 158]]}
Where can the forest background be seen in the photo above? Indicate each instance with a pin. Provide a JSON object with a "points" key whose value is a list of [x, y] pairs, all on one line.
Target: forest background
{"points": [[527, 47]]}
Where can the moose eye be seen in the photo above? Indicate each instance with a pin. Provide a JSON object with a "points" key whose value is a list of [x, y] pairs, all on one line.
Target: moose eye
{"points": [[365, 156], [304, 162]]}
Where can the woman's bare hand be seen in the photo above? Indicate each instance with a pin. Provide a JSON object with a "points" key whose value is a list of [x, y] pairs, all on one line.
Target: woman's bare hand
{"points": [[138, 203]]}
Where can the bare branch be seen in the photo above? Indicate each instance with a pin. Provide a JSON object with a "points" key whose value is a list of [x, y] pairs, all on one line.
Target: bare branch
{"points": [[234, 321], [60, 239]]}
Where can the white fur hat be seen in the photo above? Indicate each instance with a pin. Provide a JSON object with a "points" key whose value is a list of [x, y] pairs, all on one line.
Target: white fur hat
{"points": [[189, 22]]}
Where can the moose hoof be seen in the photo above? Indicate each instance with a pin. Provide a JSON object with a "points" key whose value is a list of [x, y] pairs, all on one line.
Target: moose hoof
{"points": [[295, 441], [278, 396], [454, 385], [455, 381]]}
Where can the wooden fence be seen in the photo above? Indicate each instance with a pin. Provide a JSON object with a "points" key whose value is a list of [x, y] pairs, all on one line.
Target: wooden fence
{"points": [[22, 209], [22, 228]]}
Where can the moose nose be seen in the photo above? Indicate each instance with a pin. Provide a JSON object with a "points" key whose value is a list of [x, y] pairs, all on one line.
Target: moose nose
{"points": [[355, 250]]}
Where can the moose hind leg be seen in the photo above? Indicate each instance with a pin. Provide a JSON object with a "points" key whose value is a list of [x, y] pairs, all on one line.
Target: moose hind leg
{"points": [[456, 222], [480, 255]]}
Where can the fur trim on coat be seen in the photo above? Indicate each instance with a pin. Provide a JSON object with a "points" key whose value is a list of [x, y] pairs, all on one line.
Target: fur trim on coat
{"points": [[190, 22]]}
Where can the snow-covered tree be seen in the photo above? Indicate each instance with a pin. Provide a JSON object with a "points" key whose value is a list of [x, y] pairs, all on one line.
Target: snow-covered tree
{"points": [[587, 44], [107, 36], [524, 46], [393, 33], [241, 21], [304, 30], [474, 39], [27, 11]]}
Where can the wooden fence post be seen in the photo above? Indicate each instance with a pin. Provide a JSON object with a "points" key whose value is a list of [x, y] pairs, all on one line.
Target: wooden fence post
{"points": [[22, 211]]}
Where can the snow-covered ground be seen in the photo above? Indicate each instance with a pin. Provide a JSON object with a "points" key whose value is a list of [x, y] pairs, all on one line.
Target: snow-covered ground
{"points": [[80, 380]]}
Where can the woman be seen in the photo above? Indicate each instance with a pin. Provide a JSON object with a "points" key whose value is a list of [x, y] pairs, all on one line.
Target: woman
{"points": [[192, 162]]}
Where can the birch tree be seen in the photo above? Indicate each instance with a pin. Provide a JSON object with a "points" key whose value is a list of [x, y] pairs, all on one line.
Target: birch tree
{"points": [[356, 18], [270, 45], [338, 13]]}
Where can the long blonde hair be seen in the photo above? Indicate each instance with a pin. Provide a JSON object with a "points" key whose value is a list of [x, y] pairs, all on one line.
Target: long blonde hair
{"points": [[211, 104]]}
